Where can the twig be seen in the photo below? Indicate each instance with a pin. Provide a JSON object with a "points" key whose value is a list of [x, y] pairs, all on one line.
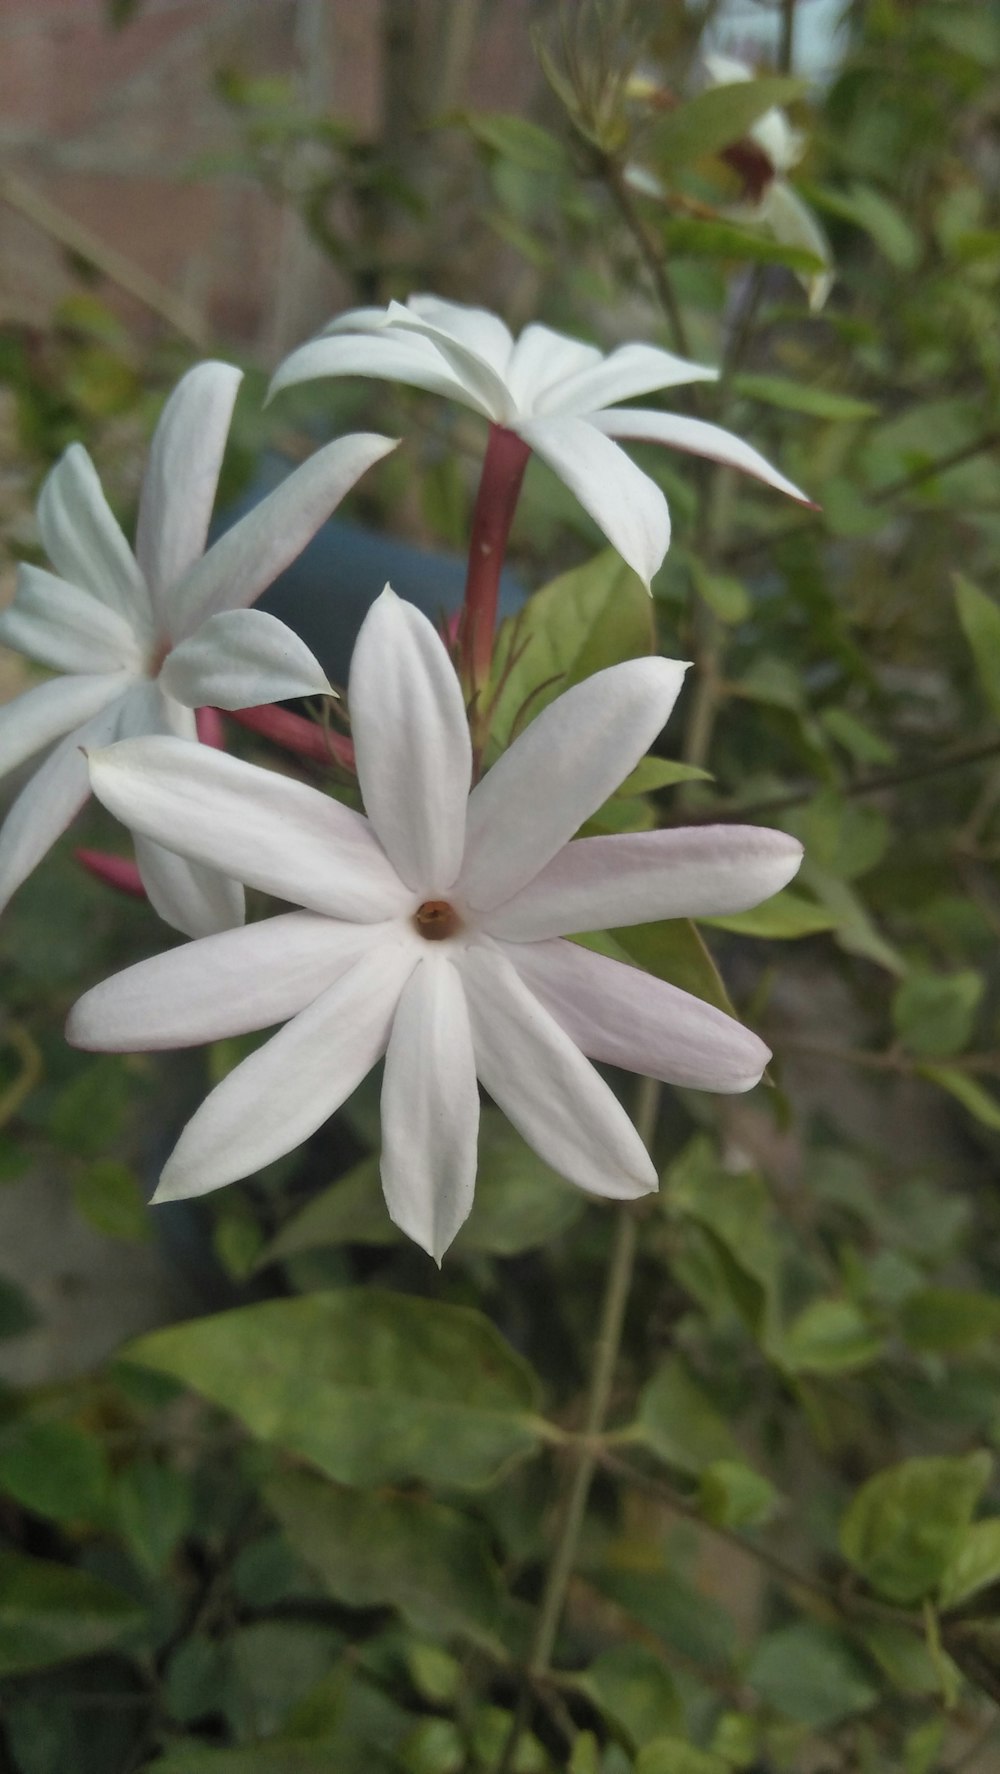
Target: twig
{"points": [[112, 264], [652, 257]]}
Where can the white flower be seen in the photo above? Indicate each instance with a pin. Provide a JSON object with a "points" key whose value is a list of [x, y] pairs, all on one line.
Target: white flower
{"points": [[432, 932], [146, 638], [553, 391], [779, 208]]}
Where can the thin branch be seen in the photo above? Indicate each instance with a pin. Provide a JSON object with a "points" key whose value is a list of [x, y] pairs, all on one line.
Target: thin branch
{"points": [[651, 254], [76, 238]]}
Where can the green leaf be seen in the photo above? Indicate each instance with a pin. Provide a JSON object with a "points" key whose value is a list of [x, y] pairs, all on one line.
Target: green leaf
{"points": [[678, 1422], [948, 1321], [108, 1196], [373, 1549], [856, 738], [905, 1525], [783, 918], [685, 237], [654, 773], [91, 1109], [828, 1337], [810, 1673], [804, 397], [635, 1692], [734, 1208], [981, 1104], [54, 1469], [934, 1014], [674, 1755], [902, 1654], [880, 218], [370, 1386], [596, 615], [685, 1618], [50, 1613], [155, 1509], [979, 616], [725, 595], [974, 1564], [715, 118], [520, 1204], [732, 1495], [527, 144]]}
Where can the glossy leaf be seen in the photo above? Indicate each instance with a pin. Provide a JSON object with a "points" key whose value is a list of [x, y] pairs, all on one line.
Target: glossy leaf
{"points": [[370, 1386], [376, 1549], [904, 1527], [678, 1422], [974, 1564], [51, 1613]]}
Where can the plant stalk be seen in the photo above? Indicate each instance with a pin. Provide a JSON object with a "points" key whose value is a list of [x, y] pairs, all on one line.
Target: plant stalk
{"points": [[496, 501], [605, 1359]]}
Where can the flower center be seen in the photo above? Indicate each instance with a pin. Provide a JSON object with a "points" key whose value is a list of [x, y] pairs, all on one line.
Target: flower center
{"points": [[436, 920]]}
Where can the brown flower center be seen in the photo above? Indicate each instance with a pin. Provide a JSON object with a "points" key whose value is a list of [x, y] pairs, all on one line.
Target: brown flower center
{"points": [[436, 920]]}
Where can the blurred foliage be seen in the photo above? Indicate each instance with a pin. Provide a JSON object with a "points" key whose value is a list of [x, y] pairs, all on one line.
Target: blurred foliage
{"points": [[308, 1528]]}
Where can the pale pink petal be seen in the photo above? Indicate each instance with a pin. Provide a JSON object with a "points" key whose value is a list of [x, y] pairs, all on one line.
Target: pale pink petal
{"points": [[49, 801], [540, 1079], [67, 628], [261, 828], [430, 1108], [624, 1017], [411, 740], [247, 557], [286, 1089], [702, 871], [700, 438], [83, 538], [244, 979], [240, 658], [623, 502], [45, 712], [392, 356], [178, 489], [631, 370], [559, 771]]}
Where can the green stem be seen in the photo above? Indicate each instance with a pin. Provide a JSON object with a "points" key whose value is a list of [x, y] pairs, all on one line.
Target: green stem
{"points": [[606, 1347]]}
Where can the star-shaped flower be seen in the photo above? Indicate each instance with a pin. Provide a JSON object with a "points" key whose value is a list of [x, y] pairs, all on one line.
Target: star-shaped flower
{"points": [[433, 932], [552, 391], [145, 638]]}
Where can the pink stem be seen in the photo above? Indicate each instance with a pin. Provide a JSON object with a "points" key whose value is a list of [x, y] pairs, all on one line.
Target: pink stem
{"points": [[499, 486], [296, 734], [118, 872]]}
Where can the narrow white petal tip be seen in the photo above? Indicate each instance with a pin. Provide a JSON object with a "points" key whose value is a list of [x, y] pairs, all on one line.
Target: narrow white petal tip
{"points": [[171, 1189]]}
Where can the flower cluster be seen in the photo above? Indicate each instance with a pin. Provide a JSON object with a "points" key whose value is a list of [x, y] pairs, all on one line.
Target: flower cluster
{"points": [[433, 929]]}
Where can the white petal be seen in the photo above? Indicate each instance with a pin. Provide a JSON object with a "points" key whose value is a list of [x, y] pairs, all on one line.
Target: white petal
{"points": [[558, 771], [792, 222], [189, 897], [288, 1088], [470, 341], [623, 502], [543, 359], [480, 332], [253, 824], [66, 628], [631, 370], [701, 871], [47, 711], [239, 659], [411, 736], [245, 559], [48, 803], [186, 895], [229, 984], [178, 489], [83, 539], [537, 1075], [430, 1108], [389, 355], [624, 1017], [700, 438]]}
